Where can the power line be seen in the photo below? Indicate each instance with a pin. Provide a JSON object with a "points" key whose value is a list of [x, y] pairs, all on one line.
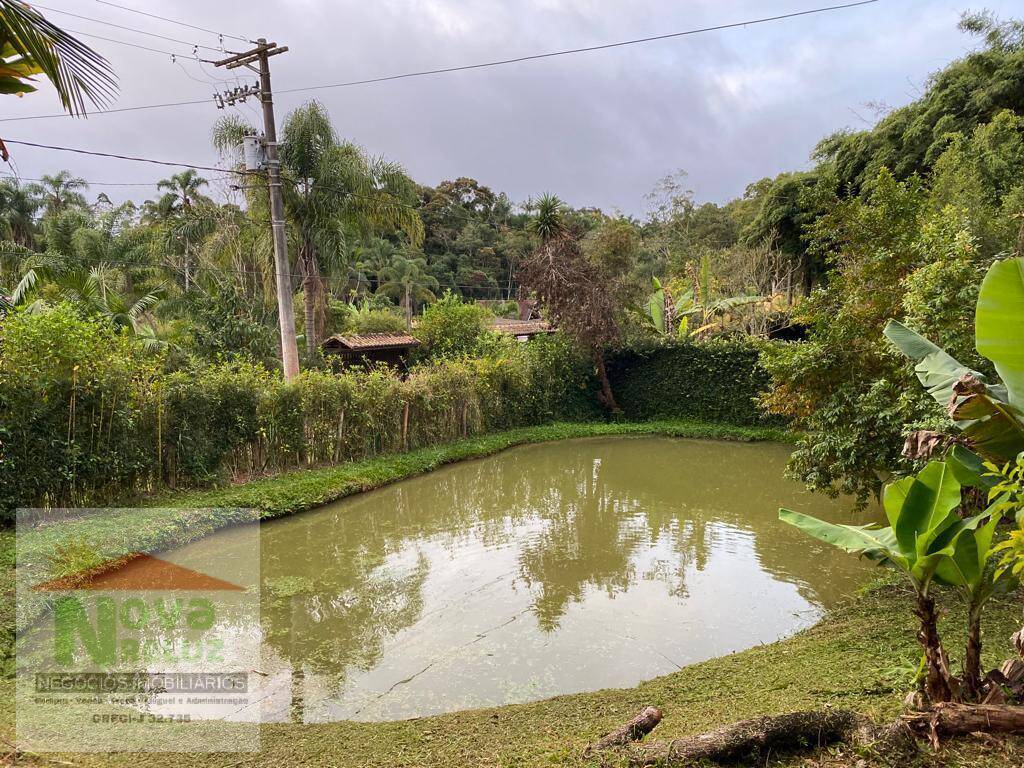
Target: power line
{"points": [[171, 54], [226, 173], [128, 29], [350, 273], [570, 51], [247, 217], [124, 157], [174, 21], [500, 62], [112, 111], [108, 183]]}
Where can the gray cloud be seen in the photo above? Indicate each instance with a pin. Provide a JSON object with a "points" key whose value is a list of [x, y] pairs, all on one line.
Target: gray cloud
{"points": [[597, 128]]}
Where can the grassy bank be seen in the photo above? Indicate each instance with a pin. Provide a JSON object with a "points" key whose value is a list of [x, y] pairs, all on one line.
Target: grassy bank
{"points": [[858, 657]]}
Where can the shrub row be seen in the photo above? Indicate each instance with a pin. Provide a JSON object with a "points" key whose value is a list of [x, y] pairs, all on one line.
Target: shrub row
{"points": [[86, 417], [717, 380]]}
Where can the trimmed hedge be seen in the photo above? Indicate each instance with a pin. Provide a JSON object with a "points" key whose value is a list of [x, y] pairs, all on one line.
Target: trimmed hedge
{"points": [[717, 380], [87, 418]]}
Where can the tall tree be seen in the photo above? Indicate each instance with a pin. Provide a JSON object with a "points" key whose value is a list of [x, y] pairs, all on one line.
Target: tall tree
{"points": [[548, 222], [183, 188], [582, 297], [61, 191], [334, 196], [19, 205], [182, 225], [408, 280]]}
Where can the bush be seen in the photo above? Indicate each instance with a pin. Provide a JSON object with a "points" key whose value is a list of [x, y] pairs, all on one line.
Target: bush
{"points": [[77, 415], [451, 329], [718, 380], [366, 320], [89, 418], [227, 325]]}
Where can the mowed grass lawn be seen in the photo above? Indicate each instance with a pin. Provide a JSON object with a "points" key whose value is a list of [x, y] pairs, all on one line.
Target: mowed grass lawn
{"points": [[860, 656]]}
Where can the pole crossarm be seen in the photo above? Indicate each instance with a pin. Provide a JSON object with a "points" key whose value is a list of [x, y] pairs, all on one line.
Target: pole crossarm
{"points": [[250, 56]]}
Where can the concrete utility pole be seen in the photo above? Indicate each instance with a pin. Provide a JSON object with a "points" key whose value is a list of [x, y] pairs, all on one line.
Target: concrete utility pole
{"points": [[285, 312]]}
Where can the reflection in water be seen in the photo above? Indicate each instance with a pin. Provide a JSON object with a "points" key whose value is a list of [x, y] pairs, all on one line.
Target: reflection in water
{"points": [[546, 569]]}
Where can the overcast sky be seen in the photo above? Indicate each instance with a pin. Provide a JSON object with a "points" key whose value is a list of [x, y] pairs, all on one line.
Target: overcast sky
{"points": [[597, 128]]}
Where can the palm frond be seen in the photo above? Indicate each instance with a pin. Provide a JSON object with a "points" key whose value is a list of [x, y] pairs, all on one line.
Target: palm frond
{"points": [[77, 72]]}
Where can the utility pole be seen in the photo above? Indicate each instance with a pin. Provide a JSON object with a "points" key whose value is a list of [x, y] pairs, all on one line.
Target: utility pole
{"points": [[285, 312]]}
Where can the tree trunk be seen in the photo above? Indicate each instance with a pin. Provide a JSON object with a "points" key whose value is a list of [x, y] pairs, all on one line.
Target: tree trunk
{"points": [[408, 309], [606, 397], [310, 289], [937, 678], [951, 719], [972, 658]]}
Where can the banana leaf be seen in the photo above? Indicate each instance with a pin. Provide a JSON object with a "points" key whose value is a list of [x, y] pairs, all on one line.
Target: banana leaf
{"points": [[999, 324], [994, 428], [969, 468], [936, 369], [878, 544]]}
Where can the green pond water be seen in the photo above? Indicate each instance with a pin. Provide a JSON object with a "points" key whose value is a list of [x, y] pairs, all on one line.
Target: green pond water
{"points": [[543, 570]]}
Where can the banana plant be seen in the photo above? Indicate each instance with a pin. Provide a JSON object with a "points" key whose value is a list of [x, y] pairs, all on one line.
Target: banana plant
{"points": [[924, 532], [988, 414], [669, 316], [968, 570]]}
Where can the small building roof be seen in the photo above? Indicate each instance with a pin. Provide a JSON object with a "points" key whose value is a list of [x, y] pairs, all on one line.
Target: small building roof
{"points": [[521, 327], [369, 341]]}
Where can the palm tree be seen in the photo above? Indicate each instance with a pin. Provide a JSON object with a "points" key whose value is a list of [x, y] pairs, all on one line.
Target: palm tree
{"points": [[115, 239], [408, 280], [183, 189], [549, 221], [12, 257], [334, 196], [372, 259], [97, 290], [19, 204], [60, 192], [30, 45], [159, 211], [173, 214]]}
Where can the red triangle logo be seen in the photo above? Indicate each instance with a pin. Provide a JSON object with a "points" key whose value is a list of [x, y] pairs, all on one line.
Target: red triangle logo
{"points": [[137, 572]]}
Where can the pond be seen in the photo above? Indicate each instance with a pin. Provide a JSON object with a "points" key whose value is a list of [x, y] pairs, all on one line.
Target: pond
{"points": [[543, 570]]}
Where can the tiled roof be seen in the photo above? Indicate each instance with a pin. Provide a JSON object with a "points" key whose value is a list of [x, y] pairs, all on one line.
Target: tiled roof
{"points": [[522, 327], [367, 341]]}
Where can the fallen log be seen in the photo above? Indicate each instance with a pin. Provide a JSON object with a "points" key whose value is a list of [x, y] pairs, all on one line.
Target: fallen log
{"points": [[951, 719], [634, 730], [759, 736], [750, 738]]}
